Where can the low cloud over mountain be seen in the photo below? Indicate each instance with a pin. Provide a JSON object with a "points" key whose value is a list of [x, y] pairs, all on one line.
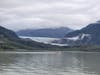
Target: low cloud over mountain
{"points": [[22, 14]]}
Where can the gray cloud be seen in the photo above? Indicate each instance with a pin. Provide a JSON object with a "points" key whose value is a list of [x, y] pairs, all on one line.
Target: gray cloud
{"points": [[21, 14]]}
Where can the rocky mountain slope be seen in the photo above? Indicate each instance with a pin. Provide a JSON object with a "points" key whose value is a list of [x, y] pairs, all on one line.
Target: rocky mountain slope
{"points": [[90, 35]]}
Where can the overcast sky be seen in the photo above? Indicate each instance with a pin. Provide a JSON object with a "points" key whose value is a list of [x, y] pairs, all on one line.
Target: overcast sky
{"points": [[21, 14]]}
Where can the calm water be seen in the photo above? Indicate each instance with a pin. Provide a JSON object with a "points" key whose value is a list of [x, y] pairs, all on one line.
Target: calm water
{"points": [[50, 63]]}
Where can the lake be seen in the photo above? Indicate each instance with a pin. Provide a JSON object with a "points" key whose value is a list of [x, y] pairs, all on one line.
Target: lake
{"points": [[49, 63]]}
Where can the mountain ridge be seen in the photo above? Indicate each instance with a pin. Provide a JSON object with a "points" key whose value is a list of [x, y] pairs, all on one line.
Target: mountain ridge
{"points": [[9, 40], [45, 32], [89, 35]]}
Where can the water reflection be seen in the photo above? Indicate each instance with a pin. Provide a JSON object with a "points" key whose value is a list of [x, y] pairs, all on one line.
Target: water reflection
{"points": [[50, 63]]}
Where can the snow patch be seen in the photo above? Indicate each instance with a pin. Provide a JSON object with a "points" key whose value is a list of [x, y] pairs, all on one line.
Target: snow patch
{"points": [[78, 37], [73, 38], [84, 35]]}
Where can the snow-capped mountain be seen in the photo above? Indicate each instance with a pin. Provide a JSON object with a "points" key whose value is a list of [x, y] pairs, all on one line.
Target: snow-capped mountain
{"points": [[89, 35]]}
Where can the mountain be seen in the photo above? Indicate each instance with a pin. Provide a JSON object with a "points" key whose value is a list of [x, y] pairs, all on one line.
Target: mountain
{"points": [[89, 35], [7, 33], [9, 40], [46, 32]]}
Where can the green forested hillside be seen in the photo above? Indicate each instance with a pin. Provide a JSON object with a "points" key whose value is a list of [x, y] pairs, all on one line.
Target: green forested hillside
{"points": [[9, 40]]}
